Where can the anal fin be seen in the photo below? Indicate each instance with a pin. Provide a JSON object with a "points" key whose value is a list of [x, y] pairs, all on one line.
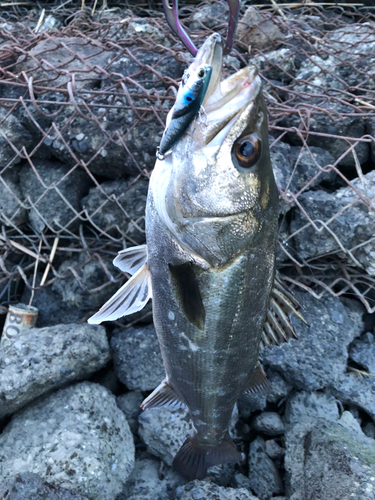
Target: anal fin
{"points": [[277, 327], [131, 297], [258, 381], [162, 396]]}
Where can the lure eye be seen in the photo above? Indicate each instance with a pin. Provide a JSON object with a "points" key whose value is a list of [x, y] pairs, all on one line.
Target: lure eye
{"points": [[247, 150], [201, 73]]}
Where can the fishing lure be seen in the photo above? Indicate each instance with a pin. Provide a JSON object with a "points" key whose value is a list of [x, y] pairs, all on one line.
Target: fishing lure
{"points": [[188, 103]]}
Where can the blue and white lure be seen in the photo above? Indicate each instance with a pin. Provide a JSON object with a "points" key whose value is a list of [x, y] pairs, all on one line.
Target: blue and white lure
{"points": [[188, 103]]}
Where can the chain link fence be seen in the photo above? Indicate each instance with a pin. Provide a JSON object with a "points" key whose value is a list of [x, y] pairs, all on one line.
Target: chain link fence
{"points": [[83, 100]]}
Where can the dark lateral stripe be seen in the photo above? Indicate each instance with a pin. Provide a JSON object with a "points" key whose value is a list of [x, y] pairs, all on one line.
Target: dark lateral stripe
{"points": [[188, 294]]}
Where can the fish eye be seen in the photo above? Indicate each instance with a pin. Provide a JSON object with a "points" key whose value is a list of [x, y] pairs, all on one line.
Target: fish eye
{"points": [[201, 73], [247, 150]]}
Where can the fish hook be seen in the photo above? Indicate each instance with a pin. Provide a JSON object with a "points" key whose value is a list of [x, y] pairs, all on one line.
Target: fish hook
{"points": [[171, 14]]}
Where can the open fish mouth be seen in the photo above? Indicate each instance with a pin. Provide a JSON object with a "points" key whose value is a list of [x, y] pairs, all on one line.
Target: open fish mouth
{"points": [[225, 99]]}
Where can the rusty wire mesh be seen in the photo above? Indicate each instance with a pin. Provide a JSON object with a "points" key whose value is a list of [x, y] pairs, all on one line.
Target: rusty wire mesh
{"points": [[83, 100]]}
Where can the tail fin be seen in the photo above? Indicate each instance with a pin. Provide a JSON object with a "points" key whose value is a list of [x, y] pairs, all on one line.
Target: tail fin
{"points": [[193, 458]]}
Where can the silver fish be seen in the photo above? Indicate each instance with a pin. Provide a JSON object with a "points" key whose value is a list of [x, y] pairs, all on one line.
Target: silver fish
{"points": [[188, 103], [209, 264]]}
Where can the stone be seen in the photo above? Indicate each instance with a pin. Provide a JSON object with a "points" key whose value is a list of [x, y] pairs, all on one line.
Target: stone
{"points": [[268, 423], [274, 450], [319, 356], [323, 123], [118, 208], [369, 430], [76, 55], [210, 15], [12, 211], [42, 359], [264, 477], [76, 438], [257, 30], [137, 358], [130, 404], [362, 351], [28, 486], [357, 390], [164, 431], [327, 460], [148, 481], [12, 132], [350, 422], [87, 292], [205, 490], [55, 200], [51, 311], [352, 228], [304, 405]]}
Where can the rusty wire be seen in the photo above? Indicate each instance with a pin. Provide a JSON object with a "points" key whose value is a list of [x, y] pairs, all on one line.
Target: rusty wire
{"points": [[106, 78]]}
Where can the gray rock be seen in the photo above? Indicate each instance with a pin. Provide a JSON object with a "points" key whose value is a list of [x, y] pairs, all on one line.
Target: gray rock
{"points": [[86, 292], [205, 490], [59, 52], [12, 211], [319, 356], [294, 167], [51, 311], [107, 377], [268, 423], [28, 486], [354, 226], [350, 422], [352, 388], [278, 387], [121, 210], [137, 358], [264, 477], [148, 481], [369, 430], [303, 406], [130, 404], [55, 204], [258, 30], [76, 438], [274, 450], [362, 351], [164, 431], [326, 460], [12, 132], [42, 359], [322, 123]]}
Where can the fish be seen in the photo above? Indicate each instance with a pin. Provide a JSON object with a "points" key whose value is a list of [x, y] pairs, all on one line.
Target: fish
{"points": [[209, 264], [188, 103]]}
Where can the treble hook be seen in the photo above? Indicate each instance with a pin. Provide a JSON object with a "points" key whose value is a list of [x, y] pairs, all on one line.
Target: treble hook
{"points": [[171, 14]]}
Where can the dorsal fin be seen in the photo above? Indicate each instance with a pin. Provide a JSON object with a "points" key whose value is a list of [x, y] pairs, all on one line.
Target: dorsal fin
{"points": [[277, 327], [258, 381], [131, 259], [162, 396], [131, 297]]}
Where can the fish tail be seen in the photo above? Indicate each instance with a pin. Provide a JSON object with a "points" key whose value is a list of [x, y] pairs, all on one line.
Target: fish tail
{"points": [[194, 458]]}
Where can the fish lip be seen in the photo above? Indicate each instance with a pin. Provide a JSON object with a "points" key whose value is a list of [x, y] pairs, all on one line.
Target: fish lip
{"points": [[187, 220]]}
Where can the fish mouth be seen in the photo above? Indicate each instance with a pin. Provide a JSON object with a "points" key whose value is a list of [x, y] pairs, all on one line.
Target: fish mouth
{"points": [[224, 100]]}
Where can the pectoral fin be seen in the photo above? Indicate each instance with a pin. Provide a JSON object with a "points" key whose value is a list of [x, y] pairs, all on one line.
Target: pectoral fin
{"points": [[277, 327], [163, 396], [131, 297], [131, 259], [188, 293]]}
